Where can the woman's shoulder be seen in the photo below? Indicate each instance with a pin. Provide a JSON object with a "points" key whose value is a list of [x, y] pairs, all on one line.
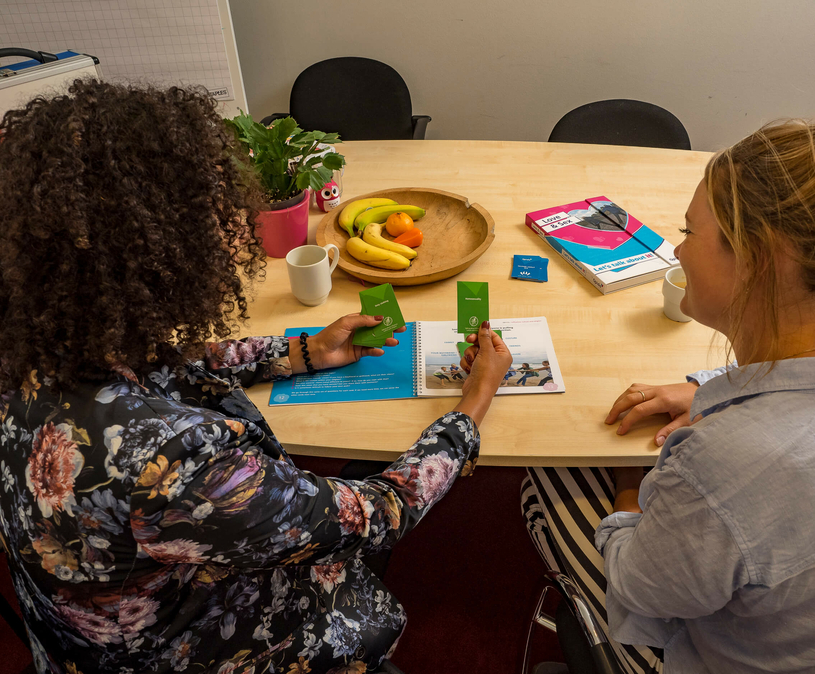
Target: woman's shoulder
{"points": [[122, 405], [753, 462], [741, 431], [751, 457]]}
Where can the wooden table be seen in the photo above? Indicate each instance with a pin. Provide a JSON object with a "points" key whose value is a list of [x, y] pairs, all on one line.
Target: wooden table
{"points": [[603, 343]]}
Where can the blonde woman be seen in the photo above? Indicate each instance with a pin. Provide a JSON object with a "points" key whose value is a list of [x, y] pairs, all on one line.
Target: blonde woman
{"points": [[711, 556]]}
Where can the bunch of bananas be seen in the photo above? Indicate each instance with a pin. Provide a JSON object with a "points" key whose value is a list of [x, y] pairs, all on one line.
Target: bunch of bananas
{"points": [[366, 217]]}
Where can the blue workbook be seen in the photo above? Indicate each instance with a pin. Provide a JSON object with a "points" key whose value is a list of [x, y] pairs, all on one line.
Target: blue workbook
{"points": [[426, 363]]}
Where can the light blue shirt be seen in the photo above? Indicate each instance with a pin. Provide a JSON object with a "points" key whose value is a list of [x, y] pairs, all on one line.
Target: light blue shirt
{"points": [[719, 569]]}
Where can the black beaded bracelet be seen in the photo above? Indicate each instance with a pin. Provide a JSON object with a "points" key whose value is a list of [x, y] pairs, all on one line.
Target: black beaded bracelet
{"points": [[304, 349]]}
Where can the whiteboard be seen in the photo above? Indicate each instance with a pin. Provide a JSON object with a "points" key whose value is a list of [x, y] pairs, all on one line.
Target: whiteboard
{"points": [[161, 42]]}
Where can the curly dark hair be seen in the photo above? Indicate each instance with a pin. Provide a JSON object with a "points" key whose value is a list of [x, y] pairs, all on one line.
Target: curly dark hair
{"points": [[127, 231]]}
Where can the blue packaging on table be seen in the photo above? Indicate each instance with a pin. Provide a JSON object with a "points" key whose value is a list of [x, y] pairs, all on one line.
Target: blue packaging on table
{"points": [[530, 268]]}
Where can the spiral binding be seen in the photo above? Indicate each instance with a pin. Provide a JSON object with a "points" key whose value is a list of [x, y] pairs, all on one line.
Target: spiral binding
{"points": [[417, 360]]}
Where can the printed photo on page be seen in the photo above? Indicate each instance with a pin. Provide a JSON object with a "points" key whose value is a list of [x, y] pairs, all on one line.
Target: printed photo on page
{"points": [[534, 366]]}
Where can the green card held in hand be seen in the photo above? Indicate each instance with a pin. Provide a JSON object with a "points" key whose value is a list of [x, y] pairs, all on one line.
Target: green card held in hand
{"points": [[462, 346], [473, 306], [376, 342], [379, 301]]}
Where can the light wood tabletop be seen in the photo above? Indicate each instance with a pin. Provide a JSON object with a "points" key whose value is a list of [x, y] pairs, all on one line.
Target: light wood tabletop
{"points": [[603, 343]]}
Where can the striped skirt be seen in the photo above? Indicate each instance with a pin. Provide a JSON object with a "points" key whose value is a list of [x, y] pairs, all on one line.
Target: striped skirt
{"points": [[563, 507]]}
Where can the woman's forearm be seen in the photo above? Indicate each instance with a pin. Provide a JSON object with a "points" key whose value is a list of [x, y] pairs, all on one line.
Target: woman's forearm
{"points": [[476, 402]]}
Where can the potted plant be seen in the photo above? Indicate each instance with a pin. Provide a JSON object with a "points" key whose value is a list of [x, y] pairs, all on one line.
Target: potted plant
{"points": [[289, 162]]}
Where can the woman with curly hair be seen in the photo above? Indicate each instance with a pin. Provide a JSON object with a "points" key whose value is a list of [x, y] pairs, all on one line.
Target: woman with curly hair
{"points": [[152, 520]]}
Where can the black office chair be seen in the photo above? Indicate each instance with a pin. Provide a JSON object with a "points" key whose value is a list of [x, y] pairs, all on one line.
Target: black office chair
{"points": [[621, 122], [582, 639], [358, 98]]}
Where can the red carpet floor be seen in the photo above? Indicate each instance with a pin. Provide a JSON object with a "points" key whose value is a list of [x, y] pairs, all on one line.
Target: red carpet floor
{"points": [[15, 655], [468, 577]]}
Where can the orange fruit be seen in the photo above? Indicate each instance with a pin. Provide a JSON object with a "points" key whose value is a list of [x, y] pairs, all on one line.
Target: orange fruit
{"points": [[398, 223]]}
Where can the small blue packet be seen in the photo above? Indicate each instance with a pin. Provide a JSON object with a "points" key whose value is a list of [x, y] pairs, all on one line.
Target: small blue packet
{"points": [[530, 268]]}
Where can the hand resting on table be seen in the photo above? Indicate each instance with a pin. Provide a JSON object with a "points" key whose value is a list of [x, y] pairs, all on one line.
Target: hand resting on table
{"points": [[643, 400]]}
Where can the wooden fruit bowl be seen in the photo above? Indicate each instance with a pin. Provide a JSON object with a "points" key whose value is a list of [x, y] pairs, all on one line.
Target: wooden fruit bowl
{"points": [[456, 234]]}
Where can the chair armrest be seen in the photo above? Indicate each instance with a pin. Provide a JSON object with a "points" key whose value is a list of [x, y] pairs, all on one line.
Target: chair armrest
{"points": [[579, 606], [277, 115], [604, 659], [420, 126], [601, 652]]}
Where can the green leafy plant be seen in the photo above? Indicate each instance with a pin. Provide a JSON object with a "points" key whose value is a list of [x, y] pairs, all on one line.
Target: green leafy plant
{"points": [[285, 157]]}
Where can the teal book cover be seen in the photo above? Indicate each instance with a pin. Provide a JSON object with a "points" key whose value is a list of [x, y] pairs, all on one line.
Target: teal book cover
{"points": [[388, 377]]}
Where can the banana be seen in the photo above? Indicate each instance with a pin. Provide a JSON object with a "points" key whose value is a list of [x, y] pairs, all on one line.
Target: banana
{"points": [[353, 209], [376, 257], [373, 235], [380, 214]]}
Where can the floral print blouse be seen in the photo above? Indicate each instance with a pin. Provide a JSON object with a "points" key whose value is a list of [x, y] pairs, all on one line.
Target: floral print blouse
{"points": [[159, 526]]}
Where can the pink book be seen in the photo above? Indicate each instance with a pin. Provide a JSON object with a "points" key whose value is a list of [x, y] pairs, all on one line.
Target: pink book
{"points": [[606, 244]]}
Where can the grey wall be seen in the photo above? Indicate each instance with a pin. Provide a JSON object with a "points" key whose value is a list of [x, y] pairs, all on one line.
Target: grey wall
{"points": [[509, 70]]}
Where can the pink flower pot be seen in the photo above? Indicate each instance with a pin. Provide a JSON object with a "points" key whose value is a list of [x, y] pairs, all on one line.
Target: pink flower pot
{"points": [[285, 227]]}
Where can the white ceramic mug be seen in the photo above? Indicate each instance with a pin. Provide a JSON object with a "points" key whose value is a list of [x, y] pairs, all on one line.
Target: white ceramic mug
{"points": [[310, 272], [673, 290]]}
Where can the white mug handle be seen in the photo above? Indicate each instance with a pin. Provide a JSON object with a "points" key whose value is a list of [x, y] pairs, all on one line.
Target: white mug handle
{"points": [[336, 260]]}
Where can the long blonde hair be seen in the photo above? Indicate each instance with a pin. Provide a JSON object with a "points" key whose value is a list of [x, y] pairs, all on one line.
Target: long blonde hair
{"points": [[762, 193]]}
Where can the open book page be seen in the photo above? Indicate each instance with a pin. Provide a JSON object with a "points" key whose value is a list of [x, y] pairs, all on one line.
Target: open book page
{"points": [[534, 365], [388, 377]]}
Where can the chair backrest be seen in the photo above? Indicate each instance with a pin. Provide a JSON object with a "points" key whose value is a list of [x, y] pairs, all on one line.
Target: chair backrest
{"points": [[359, 98], [621, 122]]}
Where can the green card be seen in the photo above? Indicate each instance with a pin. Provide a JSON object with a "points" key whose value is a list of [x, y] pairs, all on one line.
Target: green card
{"points": [[379, 301], [462, 346], [473, 306], [376, 342]]}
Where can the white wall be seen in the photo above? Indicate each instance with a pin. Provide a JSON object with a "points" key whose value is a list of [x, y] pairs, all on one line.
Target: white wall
{"points": [[509, 70]]}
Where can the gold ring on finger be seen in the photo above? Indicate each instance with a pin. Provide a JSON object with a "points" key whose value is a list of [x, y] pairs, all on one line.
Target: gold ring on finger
{"points": [[642, 394]]}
